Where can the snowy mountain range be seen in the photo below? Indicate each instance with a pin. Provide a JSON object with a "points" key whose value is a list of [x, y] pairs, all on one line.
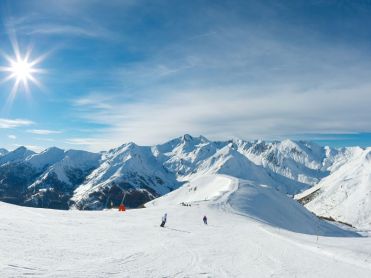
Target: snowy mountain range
{"points": [[321, 177]]}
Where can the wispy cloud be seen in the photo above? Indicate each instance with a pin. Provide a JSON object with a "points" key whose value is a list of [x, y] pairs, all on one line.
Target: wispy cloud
{"points": [[62, 30], [63, 18], [11, 136], [13, 123], [241, 112], [44, 131], [93, 144], [235, 82]]}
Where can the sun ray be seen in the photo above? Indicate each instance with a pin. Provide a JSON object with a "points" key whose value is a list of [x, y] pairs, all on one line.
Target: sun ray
{"points": [[35, 81], [28, 54], [39, 59], [13, 93]]}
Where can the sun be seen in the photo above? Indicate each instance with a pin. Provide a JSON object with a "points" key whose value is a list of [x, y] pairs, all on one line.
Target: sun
{"points": [[22, 70]]}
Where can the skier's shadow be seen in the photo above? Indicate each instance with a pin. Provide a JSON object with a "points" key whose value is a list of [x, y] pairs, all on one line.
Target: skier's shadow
{"points": [[182, 231]]}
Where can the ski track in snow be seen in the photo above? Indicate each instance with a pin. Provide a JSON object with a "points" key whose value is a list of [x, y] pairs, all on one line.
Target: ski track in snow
{"points": [[48, 243]]}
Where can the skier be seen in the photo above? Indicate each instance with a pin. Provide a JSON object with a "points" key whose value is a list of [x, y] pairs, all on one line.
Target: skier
{"points": [[164, 218], [205, 220]]}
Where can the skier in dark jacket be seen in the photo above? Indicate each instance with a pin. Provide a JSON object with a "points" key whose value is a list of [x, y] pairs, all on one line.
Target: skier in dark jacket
{"points": [[205, 220], [164, 218]]}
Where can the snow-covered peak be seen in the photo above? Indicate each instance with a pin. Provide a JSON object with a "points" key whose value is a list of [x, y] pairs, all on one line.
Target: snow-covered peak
{"points": [[307, 153], [63, 167], [18, 154], [122, 151], [196, 140], [189, 143], [186, 143], [130, 166], [45, 158], [81, 159], [288, 144], [230, 162]]}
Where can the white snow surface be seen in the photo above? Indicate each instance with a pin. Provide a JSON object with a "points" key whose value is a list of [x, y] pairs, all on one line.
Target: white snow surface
{"points": [[345, 195], [243, 238]]}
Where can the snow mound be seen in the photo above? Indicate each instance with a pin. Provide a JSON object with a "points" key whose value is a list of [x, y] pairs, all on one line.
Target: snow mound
{"points": [[257, 202], [267, 205], [205, 188]]}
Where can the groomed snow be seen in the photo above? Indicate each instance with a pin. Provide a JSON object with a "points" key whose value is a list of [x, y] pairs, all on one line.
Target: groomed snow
{"points": [[242, 239]]}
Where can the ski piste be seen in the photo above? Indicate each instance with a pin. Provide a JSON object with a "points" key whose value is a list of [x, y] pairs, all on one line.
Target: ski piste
{"points": [[259, 232]]}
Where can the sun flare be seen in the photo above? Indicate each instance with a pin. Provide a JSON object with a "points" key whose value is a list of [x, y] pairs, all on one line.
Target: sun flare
{"points": [[22, 70]]}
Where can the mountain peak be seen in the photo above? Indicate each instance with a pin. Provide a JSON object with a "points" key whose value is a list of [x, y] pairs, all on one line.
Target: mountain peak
{"points": [[22, 150], [187, 137], [19, 153], [289, 143], [3, 151], [47, 157]]}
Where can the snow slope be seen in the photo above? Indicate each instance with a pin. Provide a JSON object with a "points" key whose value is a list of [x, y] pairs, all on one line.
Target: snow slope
{"points": [[259, 202], [345, 195], [49, 243]]}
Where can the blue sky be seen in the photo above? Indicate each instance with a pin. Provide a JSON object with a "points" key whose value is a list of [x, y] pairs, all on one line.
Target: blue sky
{"points": [[146, 71]]}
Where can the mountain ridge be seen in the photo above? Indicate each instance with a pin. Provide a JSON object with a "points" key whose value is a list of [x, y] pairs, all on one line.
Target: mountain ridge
{"points": [[135, 174]]}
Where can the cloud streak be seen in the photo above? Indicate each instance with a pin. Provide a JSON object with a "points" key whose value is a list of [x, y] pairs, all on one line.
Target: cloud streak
{"points": [[13, 123], [240, 113], [44, 131]]}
